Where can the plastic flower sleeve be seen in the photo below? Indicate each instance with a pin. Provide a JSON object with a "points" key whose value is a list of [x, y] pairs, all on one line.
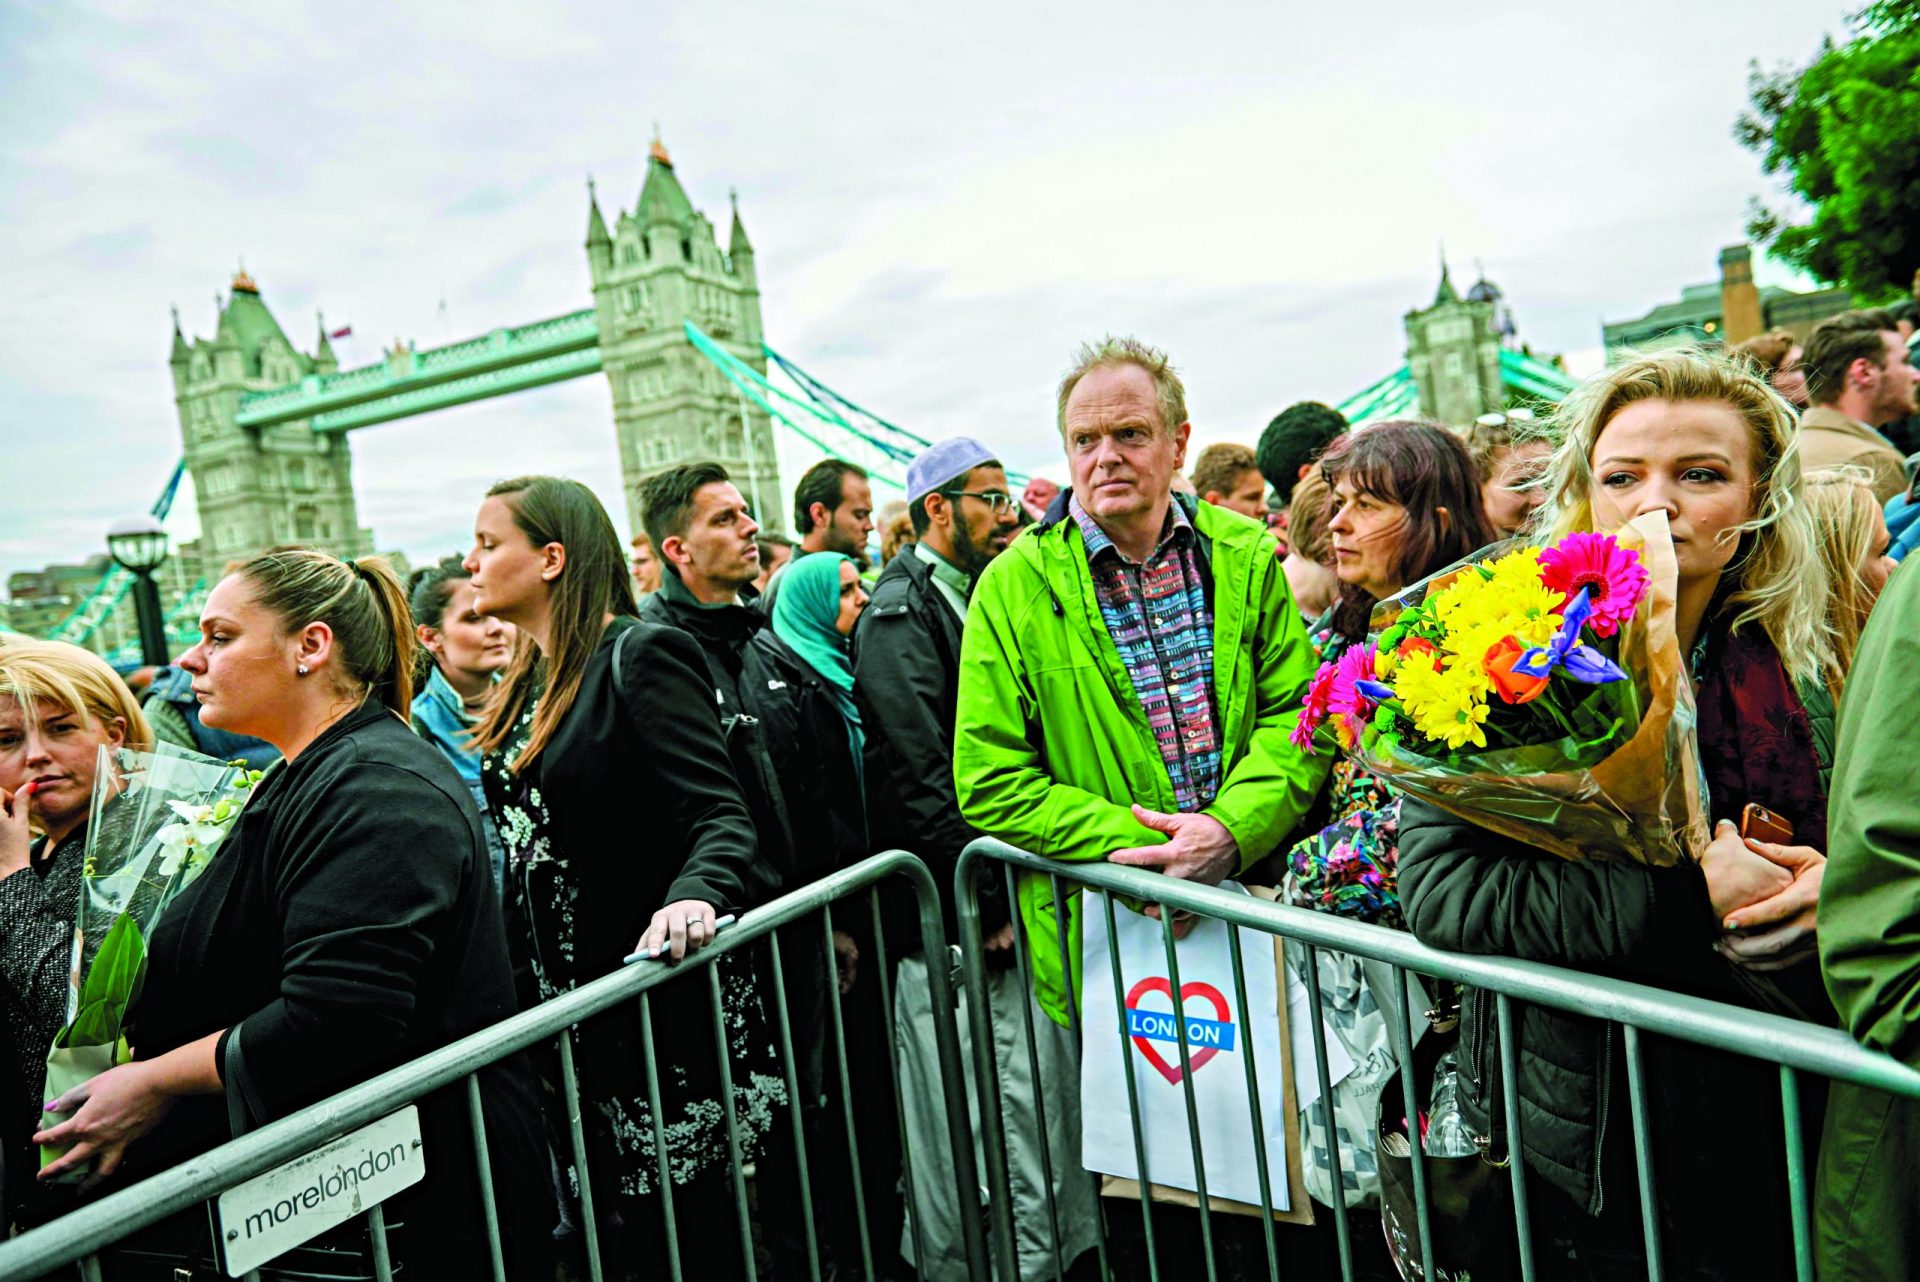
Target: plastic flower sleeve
{"points": [[1615, 774], [156, 820]]}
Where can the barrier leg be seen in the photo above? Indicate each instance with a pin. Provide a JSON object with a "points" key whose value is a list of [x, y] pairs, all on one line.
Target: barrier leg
{"points": [[1797, 1174], [1073, 1029], [1643, 1152], [734, 1150], [893, 1076], [1411, 1099], [1033, 1068], [477, 1118], [1186, 1089], [570, 1083], [986, 1073], [1257, 1117], [793, 1105], [1516, 1165], [846, 1089], [377, 1234], [1342, 1232], [663, 1177], [1133, 1096]]}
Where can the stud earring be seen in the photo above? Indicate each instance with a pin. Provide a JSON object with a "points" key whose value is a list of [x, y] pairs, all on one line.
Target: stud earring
{"points": [[302, 669]]}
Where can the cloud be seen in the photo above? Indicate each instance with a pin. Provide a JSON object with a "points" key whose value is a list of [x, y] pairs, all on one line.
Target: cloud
{"points": [[942, 204]]}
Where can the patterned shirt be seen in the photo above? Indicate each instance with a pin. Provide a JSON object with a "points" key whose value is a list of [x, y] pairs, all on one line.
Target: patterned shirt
{"points": [[1157, 614]]}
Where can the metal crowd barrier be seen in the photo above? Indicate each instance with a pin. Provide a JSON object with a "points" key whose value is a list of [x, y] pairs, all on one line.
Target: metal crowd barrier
{"points": [[79, 1237], [1797, 1048]]}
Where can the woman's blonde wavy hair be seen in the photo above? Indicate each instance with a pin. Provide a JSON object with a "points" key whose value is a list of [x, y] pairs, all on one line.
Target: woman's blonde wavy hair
{"points": [[75, 680], [1846, 524], [1776, 581]]}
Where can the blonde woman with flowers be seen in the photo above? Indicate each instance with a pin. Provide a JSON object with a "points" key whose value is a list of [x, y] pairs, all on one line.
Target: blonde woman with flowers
{"points": [[59, 705], [1713, 449]]}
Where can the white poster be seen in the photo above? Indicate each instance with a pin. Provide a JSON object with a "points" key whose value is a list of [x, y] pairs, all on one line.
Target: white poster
{"points": [[1145, 1031]]}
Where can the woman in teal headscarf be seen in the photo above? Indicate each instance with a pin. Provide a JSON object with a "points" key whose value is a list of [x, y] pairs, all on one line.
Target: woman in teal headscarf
{"points": [[820, 597]]}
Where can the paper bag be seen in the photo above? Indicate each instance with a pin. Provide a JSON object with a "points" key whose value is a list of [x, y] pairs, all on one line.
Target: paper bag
{"points": [[1218, 1044]]}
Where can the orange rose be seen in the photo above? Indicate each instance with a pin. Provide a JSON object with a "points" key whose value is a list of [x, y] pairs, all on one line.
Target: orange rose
{"points": [[1511, 686]]}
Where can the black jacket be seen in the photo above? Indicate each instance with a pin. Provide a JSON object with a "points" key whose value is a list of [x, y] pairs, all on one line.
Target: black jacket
{"points": [[349, 924], [1715, 1117], [641, 796], [906, 678], [785, 736]]}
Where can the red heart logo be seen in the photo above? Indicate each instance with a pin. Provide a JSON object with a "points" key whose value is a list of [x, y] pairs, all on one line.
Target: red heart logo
{"points": [[1195, 1058]]}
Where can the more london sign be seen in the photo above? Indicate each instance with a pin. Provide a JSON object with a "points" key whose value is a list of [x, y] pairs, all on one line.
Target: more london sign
{"points": [[274, 1212]]}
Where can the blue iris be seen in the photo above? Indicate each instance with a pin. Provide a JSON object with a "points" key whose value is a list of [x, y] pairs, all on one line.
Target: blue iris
{"points": [[1565, 651]]}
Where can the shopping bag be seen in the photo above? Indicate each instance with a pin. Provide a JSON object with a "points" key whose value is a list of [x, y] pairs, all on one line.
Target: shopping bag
{"points": [[1141, 1028]]}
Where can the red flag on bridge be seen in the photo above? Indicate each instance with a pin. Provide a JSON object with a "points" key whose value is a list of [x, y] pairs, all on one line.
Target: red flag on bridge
{"points": [[345, 331]]}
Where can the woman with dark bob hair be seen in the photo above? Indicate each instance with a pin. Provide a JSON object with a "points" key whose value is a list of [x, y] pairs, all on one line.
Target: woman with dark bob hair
{"points": [[348, 925], [626, 831], [1406, 503]]}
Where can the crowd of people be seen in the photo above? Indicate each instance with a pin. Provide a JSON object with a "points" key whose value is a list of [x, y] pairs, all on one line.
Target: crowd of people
{"points": [[502, 779]]}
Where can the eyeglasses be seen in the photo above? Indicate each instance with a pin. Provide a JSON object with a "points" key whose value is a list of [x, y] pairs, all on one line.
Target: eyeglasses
{"points": [[997, 500]]}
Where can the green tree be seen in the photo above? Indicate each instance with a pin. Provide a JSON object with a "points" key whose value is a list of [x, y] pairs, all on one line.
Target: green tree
{"points": [[1843, 133]]}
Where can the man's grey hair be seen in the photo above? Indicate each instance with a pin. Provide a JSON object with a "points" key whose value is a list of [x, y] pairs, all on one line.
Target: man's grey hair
{"points": [[1169, 394]]}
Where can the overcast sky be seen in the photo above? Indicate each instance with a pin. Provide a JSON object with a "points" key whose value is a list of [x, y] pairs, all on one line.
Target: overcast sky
{"points": [[943, 201]]}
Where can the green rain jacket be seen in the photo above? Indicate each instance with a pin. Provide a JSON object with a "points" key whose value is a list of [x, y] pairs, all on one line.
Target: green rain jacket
{"points": [[1051, 745], [1867, 1204]]}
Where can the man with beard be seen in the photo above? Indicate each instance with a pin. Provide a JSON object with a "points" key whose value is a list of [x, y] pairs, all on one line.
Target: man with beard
{"points": [[832, 512], [906, 676]]}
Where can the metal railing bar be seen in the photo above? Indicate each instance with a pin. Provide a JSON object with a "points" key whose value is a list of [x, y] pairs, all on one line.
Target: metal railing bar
{"points": [[1073, 1031], [1516, 1163], [100, 1223], [1133, 1093], [1342, 1231], [893, 1075], [377, 1235], [1411, 1098], [1643, 1153], [1800, 1208], [663, 1175], [1258, 1118], [735, 1152], [1186, 1090], [477, 1120], [90, 1268], [785, 1025], [846, 1089], [986, 1073], [1039, 1091], [1755, 1034], [576, 1131]]}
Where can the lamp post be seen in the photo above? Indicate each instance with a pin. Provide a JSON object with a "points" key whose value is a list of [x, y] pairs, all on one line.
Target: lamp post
{"points": [[139, 544]]}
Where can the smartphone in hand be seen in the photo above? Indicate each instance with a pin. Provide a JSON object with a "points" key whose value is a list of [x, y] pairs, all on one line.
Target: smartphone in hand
{"points": [[1757, 823]]}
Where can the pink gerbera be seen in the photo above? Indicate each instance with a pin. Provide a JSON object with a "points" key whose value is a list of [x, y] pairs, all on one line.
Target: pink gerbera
{"points": [[1613, 576], [1345, 701], [1319, 696]]}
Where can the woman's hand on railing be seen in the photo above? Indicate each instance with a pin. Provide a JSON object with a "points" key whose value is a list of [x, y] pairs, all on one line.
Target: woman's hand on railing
{"points": [[1779, 931], [682, 927]]}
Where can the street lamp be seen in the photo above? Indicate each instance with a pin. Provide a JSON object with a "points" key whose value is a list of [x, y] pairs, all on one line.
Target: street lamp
{"points": [[139, 544]]}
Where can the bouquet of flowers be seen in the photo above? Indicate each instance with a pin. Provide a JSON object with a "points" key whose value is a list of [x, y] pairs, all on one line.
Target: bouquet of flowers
{"points": [[1536, 692], [156, 820]]}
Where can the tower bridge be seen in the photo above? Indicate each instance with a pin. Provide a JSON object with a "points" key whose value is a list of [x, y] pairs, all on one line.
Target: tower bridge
{"points": [[265, 425]]}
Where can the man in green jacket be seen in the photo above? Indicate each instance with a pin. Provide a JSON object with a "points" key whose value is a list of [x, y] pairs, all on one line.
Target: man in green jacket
{"points": [[1132, 665], [1867, 1211]]}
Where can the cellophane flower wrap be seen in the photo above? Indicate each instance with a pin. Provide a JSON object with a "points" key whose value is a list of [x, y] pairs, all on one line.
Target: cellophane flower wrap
{"points": [[156, 820], [1535, 691]]}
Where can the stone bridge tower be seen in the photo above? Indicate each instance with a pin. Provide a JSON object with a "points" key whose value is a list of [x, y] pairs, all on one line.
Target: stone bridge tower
{"points": [[658, 266], [258, 486]]}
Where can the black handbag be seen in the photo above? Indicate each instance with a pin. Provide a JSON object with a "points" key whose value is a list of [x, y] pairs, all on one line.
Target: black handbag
{"points": [[1469, 1199]]}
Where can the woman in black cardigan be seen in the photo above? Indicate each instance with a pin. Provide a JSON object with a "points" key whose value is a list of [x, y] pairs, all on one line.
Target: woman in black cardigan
{"points": [[348, 924], [626, 831]]}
